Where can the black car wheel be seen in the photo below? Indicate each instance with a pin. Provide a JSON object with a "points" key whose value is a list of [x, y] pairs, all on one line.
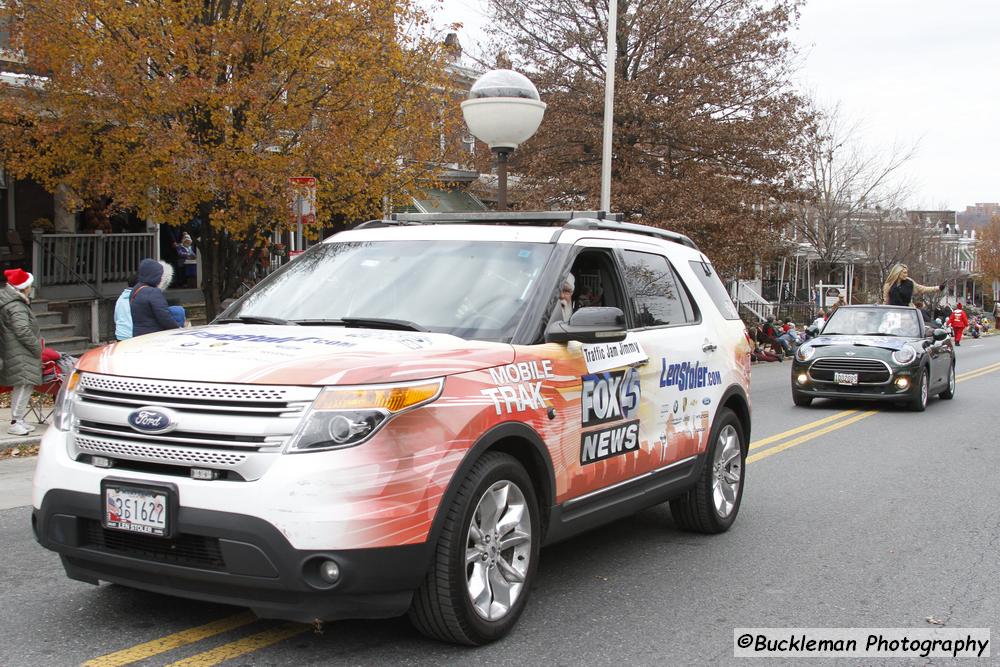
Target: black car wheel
{"points": [[485, 560], [801, 400], [921, 390], [949, 393], [712, 504]]}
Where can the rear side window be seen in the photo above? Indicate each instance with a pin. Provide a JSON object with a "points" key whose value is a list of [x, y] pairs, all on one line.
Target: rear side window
{"points": [[716, 290], [658, 296]]}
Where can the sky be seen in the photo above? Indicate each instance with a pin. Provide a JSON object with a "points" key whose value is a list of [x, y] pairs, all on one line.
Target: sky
{"points": [[923, 72]]}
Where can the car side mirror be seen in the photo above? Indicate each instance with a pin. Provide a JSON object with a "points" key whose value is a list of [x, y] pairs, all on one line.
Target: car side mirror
{"points": [[940, 335], [589, 325]]}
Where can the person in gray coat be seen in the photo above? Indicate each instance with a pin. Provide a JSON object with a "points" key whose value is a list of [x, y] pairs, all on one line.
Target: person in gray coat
{"points": [[21, 345]]}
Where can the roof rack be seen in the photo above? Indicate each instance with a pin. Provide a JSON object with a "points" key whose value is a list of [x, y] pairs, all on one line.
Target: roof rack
{"points": [[501, 217], [578, 220]]}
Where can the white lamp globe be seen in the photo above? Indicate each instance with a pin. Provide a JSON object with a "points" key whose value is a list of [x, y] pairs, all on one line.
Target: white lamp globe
{"points": [[503, 109]]}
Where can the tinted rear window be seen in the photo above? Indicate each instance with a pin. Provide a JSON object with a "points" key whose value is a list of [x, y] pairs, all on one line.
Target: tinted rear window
{"points": [[706, 274]]}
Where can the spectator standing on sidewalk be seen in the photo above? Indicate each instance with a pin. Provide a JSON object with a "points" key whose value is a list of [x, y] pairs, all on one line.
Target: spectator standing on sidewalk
{"points": [[150, 312], [123, 311], [996, 313], [21, 346]]}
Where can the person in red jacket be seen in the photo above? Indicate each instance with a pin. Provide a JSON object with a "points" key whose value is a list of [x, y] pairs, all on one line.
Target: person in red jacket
{"points": [[958, 320]]}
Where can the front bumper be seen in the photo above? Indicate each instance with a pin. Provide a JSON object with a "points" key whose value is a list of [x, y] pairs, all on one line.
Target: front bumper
{"points": [[861, 392], [231, 559]]}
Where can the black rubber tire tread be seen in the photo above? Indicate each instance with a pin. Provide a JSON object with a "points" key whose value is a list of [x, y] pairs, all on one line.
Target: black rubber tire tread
{"points": [[695, 511], [915, 404], [437, 611], [801, 400], [948, 394]]}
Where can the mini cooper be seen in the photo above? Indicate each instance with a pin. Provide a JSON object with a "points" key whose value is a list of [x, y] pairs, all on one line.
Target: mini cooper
{"points": [[881, 353]]}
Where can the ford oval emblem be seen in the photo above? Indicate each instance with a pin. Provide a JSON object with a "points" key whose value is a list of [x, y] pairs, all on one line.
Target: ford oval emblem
{"points": [[706, 400], [152, 420]]}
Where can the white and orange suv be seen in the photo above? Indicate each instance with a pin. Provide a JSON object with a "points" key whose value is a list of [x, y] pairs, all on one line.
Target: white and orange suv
{"points": [[397, 421]]}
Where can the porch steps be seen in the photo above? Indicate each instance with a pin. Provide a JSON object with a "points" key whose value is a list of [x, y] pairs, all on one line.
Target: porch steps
{"points": [[54, 330]]}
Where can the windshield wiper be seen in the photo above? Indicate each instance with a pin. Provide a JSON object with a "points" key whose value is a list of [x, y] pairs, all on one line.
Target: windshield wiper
{"points": [[367, 323], [254, 319]]}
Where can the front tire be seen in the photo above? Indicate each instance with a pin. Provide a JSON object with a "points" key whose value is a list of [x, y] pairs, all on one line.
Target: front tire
{"points": [[949, 393], [801, 400], [712, 505], [485, 559], [921, 391]]}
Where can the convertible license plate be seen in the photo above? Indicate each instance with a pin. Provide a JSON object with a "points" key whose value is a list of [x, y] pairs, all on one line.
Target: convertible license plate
{"points": [[137, 508], [845, 378]]}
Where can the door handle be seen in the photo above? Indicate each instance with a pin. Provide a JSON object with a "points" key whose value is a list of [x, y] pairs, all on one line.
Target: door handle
{"points": [[709, 347]]}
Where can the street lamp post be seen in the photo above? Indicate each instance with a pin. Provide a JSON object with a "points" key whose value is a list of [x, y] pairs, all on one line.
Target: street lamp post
{"points": [[503, 111]]}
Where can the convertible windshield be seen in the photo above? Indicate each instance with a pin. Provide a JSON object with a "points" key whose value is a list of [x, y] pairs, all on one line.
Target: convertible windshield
{"points": [[875, 322], [472, 289]]}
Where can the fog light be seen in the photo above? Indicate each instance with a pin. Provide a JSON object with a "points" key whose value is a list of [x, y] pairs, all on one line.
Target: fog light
{"points": [[204, 473], [902, 383], [802, 378], [329, 571], [101, 461]]}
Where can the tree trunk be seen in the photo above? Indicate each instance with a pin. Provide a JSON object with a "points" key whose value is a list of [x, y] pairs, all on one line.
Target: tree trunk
{"points": [[210, 279]]}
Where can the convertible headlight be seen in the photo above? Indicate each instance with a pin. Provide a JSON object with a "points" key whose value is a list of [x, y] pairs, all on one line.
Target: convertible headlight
{"points": [[347, 416], [904, 355], [805, 352], [62, 415]]}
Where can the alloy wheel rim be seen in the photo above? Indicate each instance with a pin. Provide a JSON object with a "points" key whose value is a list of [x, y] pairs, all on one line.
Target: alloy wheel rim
{"points": [[498, 550], [923, 389], [951, 380], [727, 471]]}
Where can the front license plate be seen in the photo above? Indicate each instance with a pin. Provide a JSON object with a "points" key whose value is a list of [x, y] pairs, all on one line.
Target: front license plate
{"points": [[137, 508], [845, 378]]}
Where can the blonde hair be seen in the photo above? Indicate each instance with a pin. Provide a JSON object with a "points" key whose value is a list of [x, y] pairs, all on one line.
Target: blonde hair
{"points": [[894, 274]]}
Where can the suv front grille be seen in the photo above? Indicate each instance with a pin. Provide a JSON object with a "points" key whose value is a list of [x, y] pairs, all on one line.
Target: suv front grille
{"points": [[870, 371], [232, 428], [188, 550]]}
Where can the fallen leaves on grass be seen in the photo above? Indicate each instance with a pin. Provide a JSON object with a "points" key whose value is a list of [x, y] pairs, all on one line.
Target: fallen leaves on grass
{"points": [[19, 452]]}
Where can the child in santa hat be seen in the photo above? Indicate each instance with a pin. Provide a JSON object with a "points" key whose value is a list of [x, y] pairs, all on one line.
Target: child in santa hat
{"points": [[21, 345]]}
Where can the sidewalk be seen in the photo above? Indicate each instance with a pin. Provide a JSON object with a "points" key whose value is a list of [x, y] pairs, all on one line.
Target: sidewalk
{"points": [[8, 441]]}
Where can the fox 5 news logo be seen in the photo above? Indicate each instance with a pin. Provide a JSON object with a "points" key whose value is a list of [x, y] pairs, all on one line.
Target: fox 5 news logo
{"points": [[610, 396]]}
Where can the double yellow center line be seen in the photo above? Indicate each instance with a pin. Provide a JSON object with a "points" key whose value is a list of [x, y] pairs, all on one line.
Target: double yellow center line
{"points": [[839, 420]]}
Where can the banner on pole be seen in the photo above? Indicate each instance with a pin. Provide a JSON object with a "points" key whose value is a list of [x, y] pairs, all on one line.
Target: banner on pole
{"points": [[303, 199]]}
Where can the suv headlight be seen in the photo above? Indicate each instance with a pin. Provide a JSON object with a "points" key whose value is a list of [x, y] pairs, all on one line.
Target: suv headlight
{"points": [[62, 414], [805, 352], [904, 355], [347, 416]]}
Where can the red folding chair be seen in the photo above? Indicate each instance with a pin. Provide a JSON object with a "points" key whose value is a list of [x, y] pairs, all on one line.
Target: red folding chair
{"points": [[54, 369]]}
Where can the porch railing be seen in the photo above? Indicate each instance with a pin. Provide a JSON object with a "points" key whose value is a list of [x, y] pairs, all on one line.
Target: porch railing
{"points": [[66, 259], [744, 294]]}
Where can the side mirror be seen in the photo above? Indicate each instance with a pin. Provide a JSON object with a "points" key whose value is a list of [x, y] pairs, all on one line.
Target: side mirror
{"points": [[940, 335], [589, 325]]}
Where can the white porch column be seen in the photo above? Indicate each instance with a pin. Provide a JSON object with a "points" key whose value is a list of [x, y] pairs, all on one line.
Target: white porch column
{"points": [[63, 221]]}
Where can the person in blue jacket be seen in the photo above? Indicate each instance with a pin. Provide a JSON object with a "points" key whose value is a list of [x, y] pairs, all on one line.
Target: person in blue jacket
{"points": [[123, 311], [150, 312]]}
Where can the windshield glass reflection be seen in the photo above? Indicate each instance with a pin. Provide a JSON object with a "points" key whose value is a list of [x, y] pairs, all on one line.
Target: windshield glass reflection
{"points": [[473, 289]]}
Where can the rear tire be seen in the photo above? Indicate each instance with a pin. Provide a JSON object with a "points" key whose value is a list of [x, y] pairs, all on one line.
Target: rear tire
{"points": [[921, 391], [949, 393], [712, 504], [801, 400], [469, 596]]}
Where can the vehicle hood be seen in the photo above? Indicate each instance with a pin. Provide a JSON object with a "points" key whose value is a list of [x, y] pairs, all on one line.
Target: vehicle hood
{"points": [[301, 355], [884, 342]]}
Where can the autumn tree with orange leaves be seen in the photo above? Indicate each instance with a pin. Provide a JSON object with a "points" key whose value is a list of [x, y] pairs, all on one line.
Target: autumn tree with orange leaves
{"points": [[988, 256], [206, 107], [706, 123]]}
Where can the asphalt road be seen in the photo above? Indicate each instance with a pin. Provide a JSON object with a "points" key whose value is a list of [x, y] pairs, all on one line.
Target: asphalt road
{"points": [[869, 518]]}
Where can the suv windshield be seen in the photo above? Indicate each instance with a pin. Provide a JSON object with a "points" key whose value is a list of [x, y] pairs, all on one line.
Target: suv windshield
{"points": [[472, 289], [875, 322]]}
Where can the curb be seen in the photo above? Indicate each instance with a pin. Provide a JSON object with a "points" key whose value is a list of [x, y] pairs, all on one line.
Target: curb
{"points": [[20, 442]]}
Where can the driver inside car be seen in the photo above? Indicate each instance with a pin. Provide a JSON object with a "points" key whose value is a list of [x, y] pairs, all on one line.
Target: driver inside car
{"points": [[564, 307]]}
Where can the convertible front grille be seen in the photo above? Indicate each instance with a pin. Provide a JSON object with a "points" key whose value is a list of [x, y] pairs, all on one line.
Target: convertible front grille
{"points": [[870, 371]]}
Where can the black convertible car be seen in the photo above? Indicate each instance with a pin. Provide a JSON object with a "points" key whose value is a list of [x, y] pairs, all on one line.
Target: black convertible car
{"points": [[882, 353]]}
